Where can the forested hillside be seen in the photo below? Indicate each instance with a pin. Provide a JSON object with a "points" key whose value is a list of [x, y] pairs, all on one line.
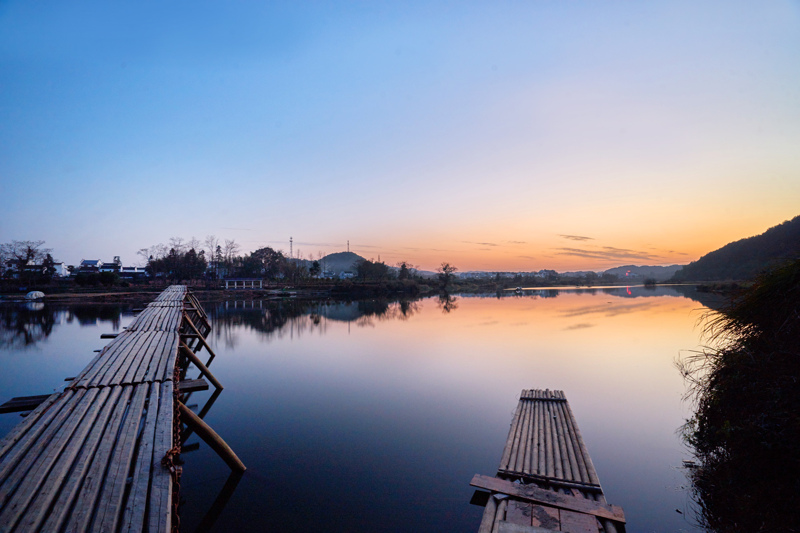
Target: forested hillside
{"points": [[746, 258]]}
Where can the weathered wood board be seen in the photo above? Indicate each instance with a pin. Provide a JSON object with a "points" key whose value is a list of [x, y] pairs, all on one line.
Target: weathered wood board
{"points": [[90, 458]]}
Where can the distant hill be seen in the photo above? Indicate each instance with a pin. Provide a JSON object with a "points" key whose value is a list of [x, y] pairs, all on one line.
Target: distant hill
{"points": [[658, 273], [746, 258], [341, 261]]}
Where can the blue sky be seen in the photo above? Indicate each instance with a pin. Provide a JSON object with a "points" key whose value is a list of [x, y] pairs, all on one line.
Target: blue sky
{"points": [[480, 133]]}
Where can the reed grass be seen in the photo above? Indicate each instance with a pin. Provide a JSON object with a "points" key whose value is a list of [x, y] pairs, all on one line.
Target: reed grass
{"points": [[745, 433]]}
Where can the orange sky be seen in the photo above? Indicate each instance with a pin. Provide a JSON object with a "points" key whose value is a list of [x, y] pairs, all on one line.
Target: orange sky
{"points": [[512, 137]]}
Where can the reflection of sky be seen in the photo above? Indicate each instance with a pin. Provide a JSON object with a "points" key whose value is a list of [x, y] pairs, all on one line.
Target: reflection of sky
{"points": [[391, 418], [395, 418]]}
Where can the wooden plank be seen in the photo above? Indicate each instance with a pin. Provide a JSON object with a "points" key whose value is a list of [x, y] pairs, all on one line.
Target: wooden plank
{"points": [[61, 509], [60, 473], [488, 516], [546, 497], [507, 527], [116, 373], [166, 366], [111, 499], [544, 480], [139, 357], [65, 468], [541, 468], [501, 514], [572, 522], [592, 473], [519, 512], [23, 403], [566, 468], [545, 517], [81, 517], [17, 462], [569, 450], [19, 431], [192, 385], [135, 513], [26, 480], [160, 499], [145, 372], [110, 353], [519, 439]]}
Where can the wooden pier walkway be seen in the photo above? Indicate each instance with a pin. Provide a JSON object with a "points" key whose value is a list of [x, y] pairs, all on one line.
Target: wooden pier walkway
{"points": [[546, 480], [98, 456]]}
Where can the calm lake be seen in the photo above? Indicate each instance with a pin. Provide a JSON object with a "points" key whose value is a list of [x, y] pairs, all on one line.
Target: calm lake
{"points": [[374, 416]]}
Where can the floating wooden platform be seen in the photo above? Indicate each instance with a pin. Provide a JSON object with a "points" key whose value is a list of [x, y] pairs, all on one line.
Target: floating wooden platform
{"points": [[546, 480], [98, 456]]}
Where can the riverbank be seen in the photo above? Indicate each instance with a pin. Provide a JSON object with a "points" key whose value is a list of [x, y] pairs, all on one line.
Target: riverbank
{"points": [[66, 291]]}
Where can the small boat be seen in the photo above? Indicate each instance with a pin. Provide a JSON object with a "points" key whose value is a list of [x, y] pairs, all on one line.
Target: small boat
{"points": [[34, 295]]}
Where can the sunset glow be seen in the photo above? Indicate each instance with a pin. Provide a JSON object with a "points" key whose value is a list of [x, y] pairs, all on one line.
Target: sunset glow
{"points": [[513, 136]]}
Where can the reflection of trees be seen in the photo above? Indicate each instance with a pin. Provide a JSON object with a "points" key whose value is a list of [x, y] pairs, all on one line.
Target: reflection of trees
{"points": [[90, 314], [746, 433], [297, 317], [447, 303], [23, 325]]}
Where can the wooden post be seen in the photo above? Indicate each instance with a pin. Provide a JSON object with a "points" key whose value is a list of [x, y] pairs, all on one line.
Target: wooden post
{"points": [[200, 337], [199, 364], [211, 438]]}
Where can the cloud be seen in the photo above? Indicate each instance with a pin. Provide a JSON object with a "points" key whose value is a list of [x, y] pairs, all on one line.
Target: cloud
{"points": [[415, 249], [526, 257], [578, 326], [516, 242], [481, 243], [577, 237], [607, 252], [609, 309]]}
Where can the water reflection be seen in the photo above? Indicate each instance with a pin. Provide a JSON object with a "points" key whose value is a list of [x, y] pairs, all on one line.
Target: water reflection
{"points": [[347, 413], [23, 325], [447, 302], [277, 319]]}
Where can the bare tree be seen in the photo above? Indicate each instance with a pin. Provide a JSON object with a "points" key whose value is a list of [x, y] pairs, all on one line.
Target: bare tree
{"points": [[24, 252], [177, 244], [231, 249], [446, 272], [211, 242], [159, 251], [194, 244], [144, 253]]}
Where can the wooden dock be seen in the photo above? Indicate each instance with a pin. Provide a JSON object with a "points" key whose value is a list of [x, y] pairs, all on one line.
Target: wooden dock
{"points": [[98, 456], [546, 480]]}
